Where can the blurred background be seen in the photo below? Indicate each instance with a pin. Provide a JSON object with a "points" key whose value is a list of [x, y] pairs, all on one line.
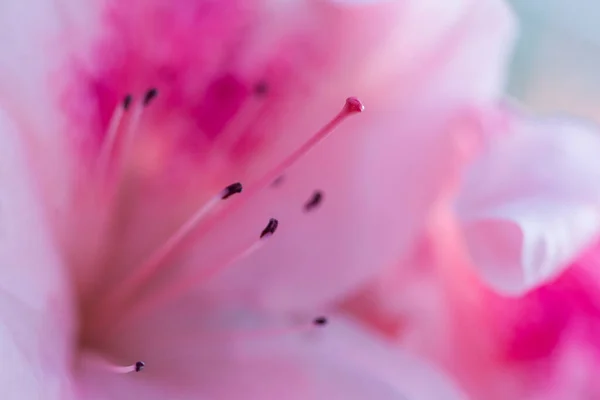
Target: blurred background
{"points": [[557, 61]]}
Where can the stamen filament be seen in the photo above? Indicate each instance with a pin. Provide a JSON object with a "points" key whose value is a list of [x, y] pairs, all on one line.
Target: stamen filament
{"points": [[129, 134], [110, 138], [149, 96], [103, 363], [352, 106], [152, 264], [107, 158], [143, 274], [275, 333], [186, 283]]}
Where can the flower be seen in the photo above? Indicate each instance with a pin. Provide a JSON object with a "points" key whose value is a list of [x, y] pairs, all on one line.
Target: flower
{"points": [[501, 289], [126, 130]]}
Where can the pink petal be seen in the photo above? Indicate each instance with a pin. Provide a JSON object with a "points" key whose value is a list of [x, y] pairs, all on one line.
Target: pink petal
{"points": [[339, 360], [381, 172], [411, 63], [541, 345], [530, 204], [36, 318]]}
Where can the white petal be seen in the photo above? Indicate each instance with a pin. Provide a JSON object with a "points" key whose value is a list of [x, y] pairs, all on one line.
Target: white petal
{"points": [[35, 321], [531, 203]]}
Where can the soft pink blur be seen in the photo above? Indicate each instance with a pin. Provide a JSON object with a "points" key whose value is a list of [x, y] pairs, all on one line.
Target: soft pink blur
{"points": [[541, 345]]}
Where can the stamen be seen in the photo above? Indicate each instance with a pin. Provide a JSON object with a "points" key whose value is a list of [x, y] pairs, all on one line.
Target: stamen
{"points": [[149, 96], [127, 369], [152, 264], [314, 201], [106, 158], [230, 190], [185, 283], [270, 228], [134, 122], [101, 362], [110, 138], [137, 367], [274, 333]]}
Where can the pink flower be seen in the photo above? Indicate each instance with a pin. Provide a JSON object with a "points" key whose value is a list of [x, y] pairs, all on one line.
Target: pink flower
{"points": [[126, 127], [525, 220]]}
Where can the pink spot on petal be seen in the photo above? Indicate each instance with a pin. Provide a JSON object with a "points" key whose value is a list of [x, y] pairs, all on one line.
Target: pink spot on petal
{"points": [[221, 102]]}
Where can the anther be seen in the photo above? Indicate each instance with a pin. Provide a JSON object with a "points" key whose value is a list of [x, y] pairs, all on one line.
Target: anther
{"points": [[127, 102], [270, 228], [230, 190], [149, 96], [139, 366], [320, 321], [314, 201]]}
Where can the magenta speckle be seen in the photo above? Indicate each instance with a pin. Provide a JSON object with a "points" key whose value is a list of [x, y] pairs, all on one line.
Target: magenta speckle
{"points": [[225, 92], [219, 105], [542, 318], [537, 322]]}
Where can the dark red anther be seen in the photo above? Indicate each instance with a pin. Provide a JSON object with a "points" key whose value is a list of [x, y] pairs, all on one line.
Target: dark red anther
{"points": [[139, 366], [314, 201], [230, 190], [149, 96], [270, 228]]}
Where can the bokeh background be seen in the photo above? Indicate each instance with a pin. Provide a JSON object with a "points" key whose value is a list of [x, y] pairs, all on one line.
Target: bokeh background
{"points": [[557, 61]]}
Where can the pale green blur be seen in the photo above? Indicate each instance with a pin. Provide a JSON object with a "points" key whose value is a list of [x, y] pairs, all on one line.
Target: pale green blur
{"points": [[557, 61]]}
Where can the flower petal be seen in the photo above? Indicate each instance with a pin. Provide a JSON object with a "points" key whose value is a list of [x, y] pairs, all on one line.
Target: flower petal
{"points": [[339, 360], [383, 171], [411, 62], [529, 206], [36, 321]]}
